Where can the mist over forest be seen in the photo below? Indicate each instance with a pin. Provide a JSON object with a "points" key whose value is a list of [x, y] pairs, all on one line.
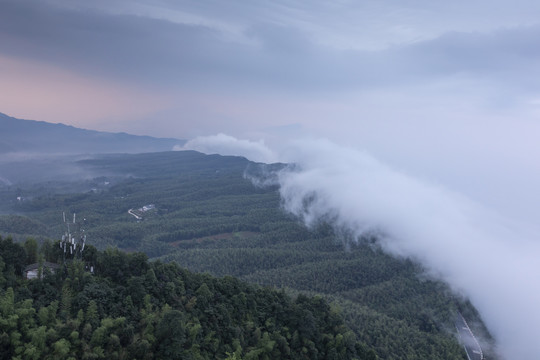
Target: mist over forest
{"points": [[380, 156], [207, 215]]}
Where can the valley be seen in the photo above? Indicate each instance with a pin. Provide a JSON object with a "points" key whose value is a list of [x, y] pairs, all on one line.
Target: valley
{"points": [[208, 218]]}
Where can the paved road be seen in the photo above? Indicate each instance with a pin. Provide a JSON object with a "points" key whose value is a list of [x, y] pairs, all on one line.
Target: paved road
{"points": [[130, 212], [469, 342]]}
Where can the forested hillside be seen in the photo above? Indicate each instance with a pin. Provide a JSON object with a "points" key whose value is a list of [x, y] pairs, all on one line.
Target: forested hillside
{"points": [[206, 217], [129, 308]]}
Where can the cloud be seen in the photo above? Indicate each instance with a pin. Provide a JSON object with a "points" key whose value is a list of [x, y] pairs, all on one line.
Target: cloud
{"points": [[287, 63], [22, 167], [278, 55], [480, 254], [227, 145], [4, 181]]}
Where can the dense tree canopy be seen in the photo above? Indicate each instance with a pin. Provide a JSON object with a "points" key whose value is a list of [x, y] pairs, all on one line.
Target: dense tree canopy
{"points": [[134, 309], [209, 218]]}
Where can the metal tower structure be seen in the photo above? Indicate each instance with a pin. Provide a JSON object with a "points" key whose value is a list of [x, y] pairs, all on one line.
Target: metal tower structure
{"points": [[74, 238]]}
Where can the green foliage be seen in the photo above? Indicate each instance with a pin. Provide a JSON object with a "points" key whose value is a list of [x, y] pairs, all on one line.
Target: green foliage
{"points": [[18, 224], [13, 255], [177, 315], [31, 249], [209, 218]]}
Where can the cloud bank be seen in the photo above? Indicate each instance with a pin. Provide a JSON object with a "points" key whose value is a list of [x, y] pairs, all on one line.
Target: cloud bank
{"points": [[205, 63], [480, 254], [227, 145], [281, 55]]}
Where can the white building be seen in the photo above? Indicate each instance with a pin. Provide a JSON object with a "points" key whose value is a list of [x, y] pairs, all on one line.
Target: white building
{"points": [[31, 271]]}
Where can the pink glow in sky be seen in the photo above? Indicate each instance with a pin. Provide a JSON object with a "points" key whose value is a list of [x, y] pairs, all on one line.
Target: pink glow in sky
{"points": [[35, 90]]}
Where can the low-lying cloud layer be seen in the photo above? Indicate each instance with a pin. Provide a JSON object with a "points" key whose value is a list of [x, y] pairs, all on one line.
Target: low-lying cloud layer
{"points": [[227, 145], [480, 254], [483, 256]]}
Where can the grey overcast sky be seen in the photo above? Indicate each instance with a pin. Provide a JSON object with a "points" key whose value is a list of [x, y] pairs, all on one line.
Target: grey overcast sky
{"points": [[434, 88], [447, 92]]}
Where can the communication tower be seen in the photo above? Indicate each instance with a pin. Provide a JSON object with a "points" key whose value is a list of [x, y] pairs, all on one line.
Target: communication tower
{"points": [[74, 238]]}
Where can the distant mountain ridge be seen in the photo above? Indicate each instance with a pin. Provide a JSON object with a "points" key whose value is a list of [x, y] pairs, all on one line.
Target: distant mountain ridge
{"points": [[17, 135]]}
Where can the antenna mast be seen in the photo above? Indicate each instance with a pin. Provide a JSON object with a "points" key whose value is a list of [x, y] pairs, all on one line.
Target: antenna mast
{"points": [[73, 243]]}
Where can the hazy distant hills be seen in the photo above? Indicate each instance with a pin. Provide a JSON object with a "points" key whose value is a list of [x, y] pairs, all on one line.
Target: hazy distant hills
{"points": [[18, 135]]}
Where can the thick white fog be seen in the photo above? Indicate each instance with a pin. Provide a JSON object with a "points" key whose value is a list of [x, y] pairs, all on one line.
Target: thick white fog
{"points": [[228, 145], [490, 259]]}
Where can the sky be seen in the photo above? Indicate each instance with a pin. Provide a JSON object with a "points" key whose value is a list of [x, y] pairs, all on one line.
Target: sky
{"points": [[395, 79], [443, 96]]}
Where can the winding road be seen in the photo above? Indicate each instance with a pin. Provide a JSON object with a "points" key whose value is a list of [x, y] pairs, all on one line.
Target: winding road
{"points": [[469, 342], [130, 212]]}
